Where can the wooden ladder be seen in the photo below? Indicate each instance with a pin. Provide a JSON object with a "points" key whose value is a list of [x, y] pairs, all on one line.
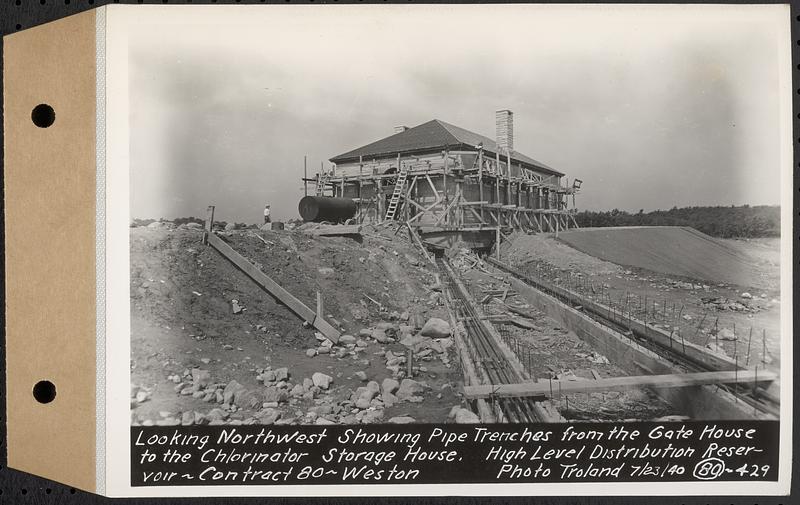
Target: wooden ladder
{"points": [[391, 210], [322, 180]]}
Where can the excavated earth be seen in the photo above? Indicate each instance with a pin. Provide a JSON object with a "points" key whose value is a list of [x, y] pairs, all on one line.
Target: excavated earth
{"points": [[209, 346], [738, 321]]}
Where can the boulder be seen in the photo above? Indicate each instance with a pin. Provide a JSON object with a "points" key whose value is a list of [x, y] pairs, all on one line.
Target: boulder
{"points": [[380, 336], [281, 374], [401, 420], [436, 328], [311, 353], [321, 380], [308, 384], [372, 416], [268, 416], [366, 394], [297, 391], [347, 339], [230, 227], [389, 399], [389, 385], [200, 379], [464, 416], [361, 375], [409, 388], [216, 415], [232, 392]]}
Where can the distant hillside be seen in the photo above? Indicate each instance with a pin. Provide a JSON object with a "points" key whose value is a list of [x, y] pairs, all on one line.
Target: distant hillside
{"points": [[724, 222]]}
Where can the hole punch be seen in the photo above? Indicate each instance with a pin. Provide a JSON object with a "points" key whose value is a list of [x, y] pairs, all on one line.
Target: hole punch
{"points": [[44, 391], [43, 115]]}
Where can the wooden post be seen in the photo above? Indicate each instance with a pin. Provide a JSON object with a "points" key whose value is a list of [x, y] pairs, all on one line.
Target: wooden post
{"points": [[480, 182], [497, 183], [409, 363], [209, 223], [508, 176], [320, 308], [497, 243], [444, 189], [305, 175]]}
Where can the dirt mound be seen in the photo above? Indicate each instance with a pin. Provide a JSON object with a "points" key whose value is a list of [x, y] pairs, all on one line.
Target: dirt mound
{"points": [[523, 248], [671, 250], [193, 310]]}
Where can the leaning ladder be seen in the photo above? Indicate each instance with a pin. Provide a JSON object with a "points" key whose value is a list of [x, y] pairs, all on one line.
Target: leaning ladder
{"points": [[322, 181], [391, 210]]}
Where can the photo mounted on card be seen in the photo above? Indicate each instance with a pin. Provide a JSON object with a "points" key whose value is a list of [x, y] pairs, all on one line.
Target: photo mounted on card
{"points": [[401, 250]]}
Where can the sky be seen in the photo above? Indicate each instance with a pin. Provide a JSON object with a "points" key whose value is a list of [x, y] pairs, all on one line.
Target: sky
{"points": [[651, 106]]}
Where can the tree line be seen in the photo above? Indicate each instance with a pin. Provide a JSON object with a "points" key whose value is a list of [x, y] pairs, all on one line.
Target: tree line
{"points": [[725, 222]]}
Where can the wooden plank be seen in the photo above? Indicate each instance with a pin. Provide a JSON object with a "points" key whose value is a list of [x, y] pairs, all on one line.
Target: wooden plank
{"points": [[543, 388], [274, 288], [334, 230]]}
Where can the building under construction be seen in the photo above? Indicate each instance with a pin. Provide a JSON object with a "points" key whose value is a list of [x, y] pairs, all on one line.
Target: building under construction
{"points": [[447, 184]]}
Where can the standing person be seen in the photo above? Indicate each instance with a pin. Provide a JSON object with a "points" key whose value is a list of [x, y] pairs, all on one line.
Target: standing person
{"points": [[266, 214]]}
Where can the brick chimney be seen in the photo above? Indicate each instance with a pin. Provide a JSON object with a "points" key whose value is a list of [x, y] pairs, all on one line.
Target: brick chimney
{"points": [[504, 120], [400, 129]]}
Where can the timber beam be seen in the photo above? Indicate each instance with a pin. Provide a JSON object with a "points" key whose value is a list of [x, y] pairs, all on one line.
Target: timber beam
{"points": [[550, 388]]}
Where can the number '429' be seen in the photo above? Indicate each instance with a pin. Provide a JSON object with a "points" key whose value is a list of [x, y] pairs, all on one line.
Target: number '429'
{"points": [[752, 470]]}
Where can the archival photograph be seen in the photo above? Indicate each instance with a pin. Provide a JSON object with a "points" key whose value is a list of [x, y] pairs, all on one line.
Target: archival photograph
{"points": [[406, 215]]}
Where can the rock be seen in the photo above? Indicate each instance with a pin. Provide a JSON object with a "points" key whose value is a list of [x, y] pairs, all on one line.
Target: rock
{"points": [[401, 420], [297, 391], [366, 394], [236, 307], [389, 385], [409, 388], [311, 353], [230, 227], [389, 399], [268, 376], [436, 328], [372, 416], [361, 375], [323, 350], [281, 374], [200, 379], [321, 380], [747, 296], [268, 416], [307, 383], [274, 394], [232, 392], [464, 416], [347, 339], [414, 261], [726, 334], [365, 333], [326, 271], [454, 411], [323, 421], [216, 415], [404, 316], [380, 336], [142, 396], [187, 419]]}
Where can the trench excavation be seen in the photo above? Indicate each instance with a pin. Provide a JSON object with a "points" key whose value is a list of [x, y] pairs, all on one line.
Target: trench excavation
{"points": [[696, 383]]}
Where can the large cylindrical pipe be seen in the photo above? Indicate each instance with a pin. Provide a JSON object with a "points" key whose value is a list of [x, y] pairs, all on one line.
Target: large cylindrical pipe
{"points": [[325, 208]]}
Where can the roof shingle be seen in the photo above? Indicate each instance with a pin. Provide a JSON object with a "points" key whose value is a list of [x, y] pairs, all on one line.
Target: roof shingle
{"points": [[435, 134]]}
